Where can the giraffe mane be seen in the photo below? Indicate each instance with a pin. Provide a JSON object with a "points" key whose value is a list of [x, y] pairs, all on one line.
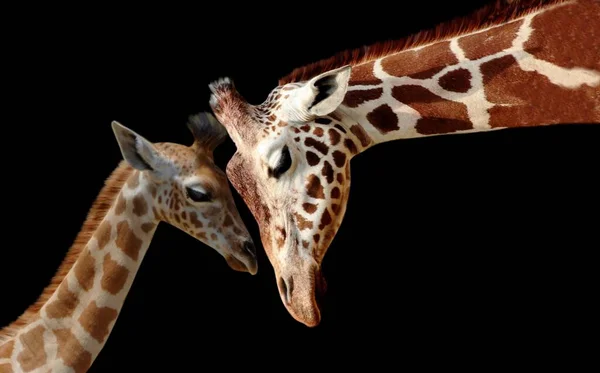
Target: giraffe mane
{"points": [[104, 200], [494, 13]]}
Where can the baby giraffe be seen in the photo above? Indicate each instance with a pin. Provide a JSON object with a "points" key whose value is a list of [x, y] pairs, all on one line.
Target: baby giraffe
{"points": [[69, 324]]}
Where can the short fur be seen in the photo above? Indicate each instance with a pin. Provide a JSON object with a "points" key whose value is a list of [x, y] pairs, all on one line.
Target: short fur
{"points": [[495, 13], [111, 189]]}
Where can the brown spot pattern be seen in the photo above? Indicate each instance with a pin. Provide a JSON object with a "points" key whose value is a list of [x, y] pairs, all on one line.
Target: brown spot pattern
{"points": [[567, 36], [228, 221], [84, 270], [438, 115], [121, 204], [309, 207], [140, 207], [318, 131], [334, 136], [127, 241], [339, 158], [355, 98], [147, 227], [335, 192], [522, 104], [5, 368], [64, 305], [489, 42], [340, 178], [103, 233], [33, 354], [335, 208], [363, 75], [96, 320], [383, 118], [349, 144], [314, 188], [458, 80], [194, 220], [114, 275], [325, 219], [420, 64], [312, 158], [327, 172], [317, 237], [71, 352], [361, 135], [7, 349], [320, 146]]}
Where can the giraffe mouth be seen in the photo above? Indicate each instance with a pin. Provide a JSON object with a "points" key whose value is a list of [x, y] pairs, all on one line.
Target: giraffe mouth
{"points": [[238, 265]]}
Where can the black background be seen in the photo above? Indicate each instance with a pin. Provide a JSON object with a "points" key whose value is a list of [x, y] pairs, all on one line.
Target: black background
{"points": [[453, 248]]}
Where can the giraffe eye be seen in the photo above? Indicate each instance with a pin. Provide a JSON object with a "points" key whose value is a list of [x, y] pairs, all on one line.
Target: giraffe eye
{"points": [[197, 195], [285, 161]]}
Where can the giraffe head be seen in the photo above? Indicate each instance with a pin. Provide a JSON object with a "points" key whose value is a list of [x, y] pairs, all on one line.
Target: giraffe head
{"points": [[189, 191], [291, 167]]}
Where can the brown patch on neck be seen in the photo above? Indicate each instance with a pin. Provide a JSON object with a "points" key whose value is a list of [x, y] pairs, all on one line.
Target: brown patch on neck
{"points": [[121, 205], [114, 275], [355, 98], [7, 349], [65, 303], [134, 180], [71, 352], [103, 234], [495, 13], [84, 270], [303, 223], [314, 188], [361, 135], [458, 80], [420, 64], [438, 115], [520, 103], [489, 42], [96, 320], [33, 354], [334, 136], [6, 368], [102, 204], [128, 241], [363, 75], [140, 207], [576, 25], [384, 119], [147, 227]]}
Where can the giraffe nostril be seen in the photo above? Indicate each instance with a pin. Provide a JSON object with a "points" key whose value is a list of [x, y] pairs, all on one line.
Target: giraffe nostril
{"points": [[286, 288], [249, 247]]}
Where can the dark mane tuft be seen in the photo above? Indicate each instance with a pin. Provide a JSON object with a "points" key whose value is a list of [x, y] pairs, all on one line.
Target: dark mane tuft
{"points": [[494, 13], [207, 130]]}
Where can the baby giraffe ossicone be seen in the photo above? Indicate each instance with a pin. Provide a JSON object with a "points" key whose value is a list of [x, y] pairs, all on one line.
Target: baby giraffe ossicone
{"points": [[65, 329]]}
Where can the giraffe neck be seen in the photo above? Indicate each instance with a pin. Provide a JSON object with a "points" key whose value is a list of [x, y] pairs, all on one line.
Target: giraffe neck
{"points": [[73, 325], [540, 69]]}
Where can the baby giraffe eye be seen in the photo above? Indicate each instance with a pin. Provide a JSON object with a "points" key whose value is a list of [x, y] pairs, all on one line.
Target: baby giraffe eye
{"points": [[285, 161], [197, 195]]}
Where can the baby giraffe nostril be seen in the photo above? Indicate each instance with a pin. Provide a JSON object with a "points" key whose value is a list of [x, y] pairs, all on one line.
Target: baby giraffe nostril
{"points": [[286, 288], [249, 247]]}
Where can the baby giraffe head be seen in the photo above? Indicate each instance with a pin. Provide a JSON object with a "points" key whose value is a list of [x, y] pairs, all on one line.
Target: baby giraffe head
{"points": [[188, 190], [291, 168]]}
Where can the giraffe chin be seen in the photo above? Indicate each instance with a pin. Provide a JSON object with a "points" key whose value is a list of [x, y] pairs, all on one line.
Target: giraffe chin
{"points": [[238, 265]]}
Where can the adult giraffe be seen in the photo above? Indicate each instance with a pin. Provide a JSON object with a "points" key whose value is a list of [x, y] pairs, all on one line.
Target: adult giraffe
{"points": [[71, 321], [517, 64]]}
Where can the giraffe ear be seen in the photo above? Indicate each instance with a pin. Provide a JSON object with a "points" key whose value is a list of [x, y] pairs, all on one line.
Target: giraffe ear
{"points": [[140, 153], [323, 94]]}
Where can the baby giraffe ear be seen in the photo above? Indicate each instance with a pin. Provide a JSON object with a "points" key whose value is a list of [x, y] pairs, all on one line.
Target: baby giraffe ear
{"points": [[322, 94], [140, 153]]}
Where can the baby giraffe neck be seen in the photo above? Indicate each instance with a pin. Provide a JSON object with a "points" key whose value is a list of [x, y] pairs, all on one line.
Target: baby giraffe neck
{"points": [[73, 325], [539, 69]]}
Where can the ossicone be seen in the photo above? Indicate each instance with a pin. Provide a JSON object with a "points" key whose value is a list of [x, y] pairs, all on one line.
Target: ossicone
{"points": [[207, 130]]}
